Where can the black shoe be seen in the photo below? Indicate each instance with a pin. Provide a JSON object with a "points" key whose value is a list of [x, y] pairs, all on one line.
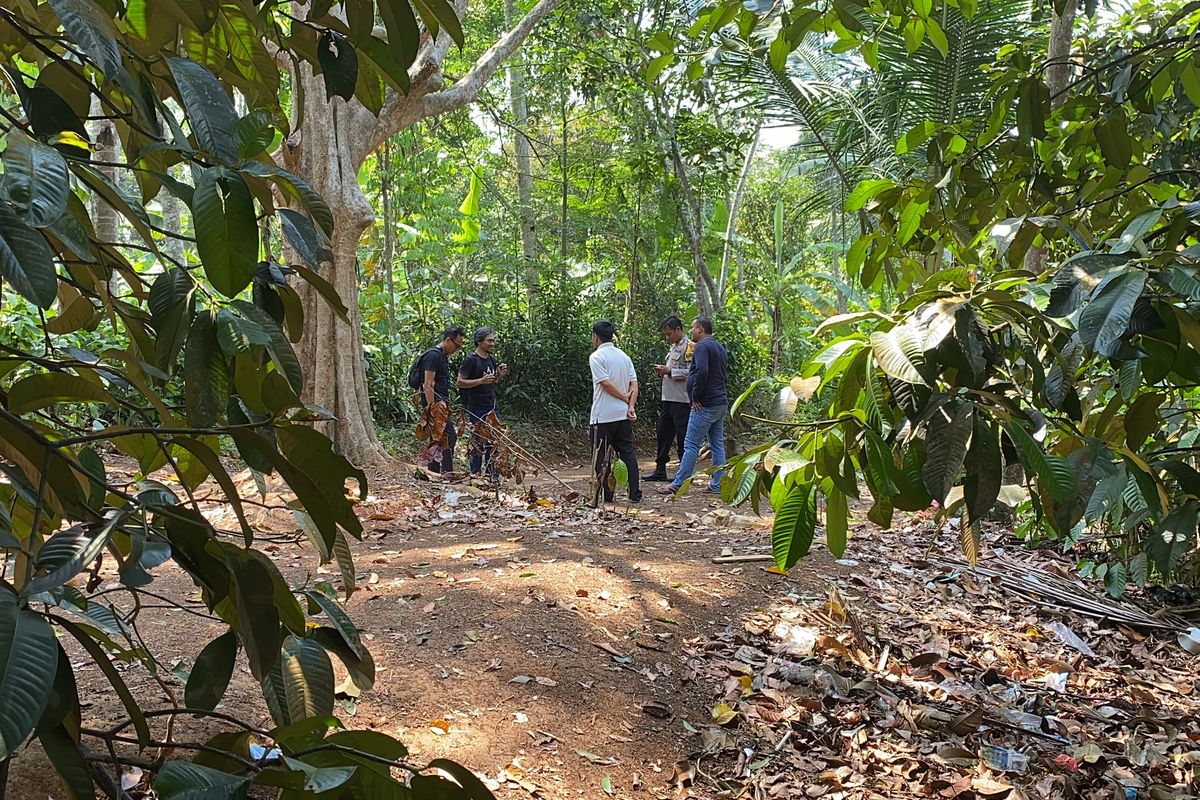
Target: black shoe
{"points": [[637, 499], [656, 477]]}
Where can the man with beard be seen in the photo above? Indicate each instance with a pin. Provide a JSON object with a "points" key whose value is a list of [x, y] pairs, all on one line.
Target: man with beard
{"points": [[477, 379]]}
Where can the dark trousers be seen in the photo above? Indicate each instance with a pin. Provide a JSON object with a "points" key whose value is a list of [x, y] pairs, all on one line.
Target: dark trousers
{"points": [[672, 427], [619, 436], [479, 451]]}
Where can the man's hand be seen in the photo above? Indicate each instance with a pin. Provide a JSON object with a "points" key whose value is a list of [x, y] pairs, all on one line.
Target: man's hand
{"points": [[490, 378], [696, 406], [632, 413], [503, 371], [661, 370]]}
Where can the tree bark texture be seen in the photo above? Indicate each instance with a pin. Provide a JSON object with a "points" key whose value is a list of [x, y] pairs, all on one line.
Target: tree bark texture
{"points": [[326, 148]]}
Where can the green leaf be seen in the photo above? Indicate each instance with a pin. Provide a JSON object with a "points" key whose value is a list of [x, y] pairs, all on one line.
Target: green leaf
{"points": [[1078, 277], [837, 521], [179, 780], [899, 354], [1142, 419], [984, 470], [795, 523], [359, 668], [36, 179], [339, 64], [209, 108], [226, 230], [1171, 540], [1054, 472], [102, 661], [112, 195], [64, 754], [50, 388], [1137, 230], [377, 52], [206, 374], [1106, 316], [866, 191], [310, 244], [81, 545], [205, 455], [26, 263], [448, 20], [28, 661], [300, 684], [93, 30], [1112, 133], [341, 622], [402, 31], [257, 616], [910, 220], [210, 675], [279, 347], [296, 189], [946, 439], [325, 289], [320, 779], [171, 304], [475, 788]]}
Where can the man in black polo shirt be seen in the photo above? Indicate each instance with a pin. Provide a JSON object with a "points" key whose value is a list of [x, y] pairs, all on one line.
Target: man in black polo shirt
{"points": [[435, 397]]}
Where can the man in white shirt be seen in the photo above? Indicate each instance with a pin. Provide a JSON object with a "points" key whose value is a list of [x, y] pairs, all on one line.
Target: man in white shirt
{"points": [[614, 395]]}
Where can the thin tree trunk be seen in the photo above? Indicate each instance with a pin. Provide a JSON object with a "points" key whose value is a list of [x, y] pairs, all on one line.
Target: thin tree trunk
{"points": [[1058, 75], [776, 335], [734, 205], [527, 219], [108, 149], [562, 224], [388, 255]]}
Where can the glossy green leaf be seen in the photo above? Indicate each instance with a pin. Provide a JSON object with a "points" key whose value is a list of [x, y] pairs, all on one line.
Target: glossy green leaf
{"points": [[1106, 316], [36, 180], [226, 230], [81, 545], [794, 525], [211, 673], [45, 389], [179, 780], [300, 684], [28, 657], [837, 522], [946, 437], [25, 260], [209, 107]]}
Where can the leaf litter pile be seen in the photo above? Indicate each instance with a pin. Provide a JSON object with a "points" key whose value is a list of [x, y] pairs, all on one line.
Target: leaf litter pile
{"points": [[917, 676]]}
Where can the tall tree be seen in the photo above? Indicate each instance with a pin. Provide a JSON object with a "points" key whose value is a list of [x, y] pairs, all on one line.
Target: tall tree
{"points": [[331, 142], [521, 152]]}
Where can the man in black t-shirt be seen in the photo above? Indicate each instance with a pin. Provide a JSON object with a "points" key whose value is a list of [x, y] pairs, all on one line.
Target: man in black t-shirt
{"points": [[477, 379], [435, 397]]}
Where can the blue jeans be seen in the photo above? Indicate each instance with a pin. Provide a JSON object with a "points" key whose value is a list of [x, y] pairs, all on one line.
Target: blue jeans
{"points": [[707, 423], [480, 452]]}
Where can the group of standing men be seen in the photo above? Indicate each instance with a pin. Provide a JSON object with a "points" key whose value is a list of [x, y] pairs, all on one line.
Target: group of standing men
{"points": [[694, 403]]}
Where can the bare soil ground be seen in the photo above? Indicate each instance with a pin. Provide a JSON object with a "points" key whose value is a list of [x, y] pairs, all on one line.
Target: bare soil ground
{"points": [[563, 652]]}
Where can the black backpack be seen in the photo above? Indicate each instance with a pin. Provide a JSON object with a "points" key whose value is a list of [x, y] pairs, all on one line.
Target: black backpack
{"points": [[416, 375]]}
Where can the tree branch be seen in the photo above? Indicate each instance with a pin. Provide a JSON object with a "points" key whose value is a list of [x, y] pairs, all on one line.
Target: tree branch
{"points": [[426, 98]]}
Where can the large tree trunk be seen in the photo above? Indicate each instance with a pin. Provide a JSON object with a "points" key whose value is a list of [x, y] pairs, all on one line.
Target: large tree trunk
{"points": [[331, 352], [521, 150], [326, 149]]}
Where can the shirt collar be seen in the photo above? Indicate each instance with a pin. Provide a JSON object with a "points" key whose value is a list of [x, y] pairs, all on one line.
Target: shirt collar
{"points": [[604, 345]]}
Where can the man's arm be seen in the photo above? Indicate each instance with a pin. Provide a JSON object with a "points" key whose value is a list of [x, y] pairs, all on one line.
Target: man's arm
{"points": [[678, 372], [698, 376], [608, 387], [427, 387], [633, 393]]}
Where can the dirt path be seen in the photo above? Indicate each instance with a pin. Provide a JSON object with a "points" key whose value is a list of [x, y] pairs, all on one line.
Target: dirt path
{"points": [[548, 646], [550, 642]]}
